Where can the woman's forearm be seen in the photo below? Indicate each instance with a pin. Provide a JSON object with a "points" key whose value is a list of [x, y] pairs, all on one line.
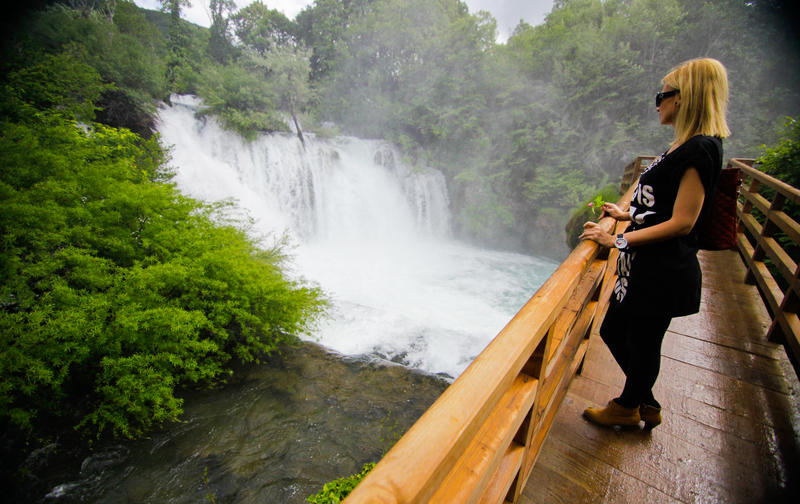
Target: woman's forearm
{"points": [[685, 212], [659, 232]]}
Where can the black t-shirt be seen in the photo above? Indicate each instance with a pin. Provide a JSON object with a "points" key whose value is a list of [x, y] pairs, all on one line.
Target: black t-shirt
{"points": [[664, 277]]}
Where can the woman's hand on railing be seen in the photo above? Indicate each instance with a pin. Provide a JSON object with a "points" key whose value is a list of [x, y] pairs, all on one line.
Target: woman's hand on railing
{"points": [[613, 210], [595, 232]]}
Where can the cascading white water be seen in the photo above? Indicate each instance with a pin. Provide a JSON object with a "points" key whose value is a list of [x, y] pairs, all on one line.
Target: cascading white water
{"points": [[372, 232]]}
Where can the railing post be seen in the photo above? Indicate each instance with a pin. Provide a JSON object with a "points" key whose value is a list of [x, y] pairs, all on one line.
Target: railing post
{"points": [[769, 228], [789, 303], [747, 209], [535, 367]]}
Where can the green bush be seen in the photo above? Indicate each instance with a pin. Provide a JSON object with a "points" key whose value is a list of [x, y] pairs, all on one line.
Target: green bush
{"points": [[335, 491], [242, 100], [116, 290], [783, 159]]}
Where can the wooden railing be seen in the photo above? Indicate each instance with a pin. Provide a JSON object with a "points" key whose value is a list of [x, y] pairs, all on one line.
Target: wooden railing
{"points": [[478, 442], [759, 245]]}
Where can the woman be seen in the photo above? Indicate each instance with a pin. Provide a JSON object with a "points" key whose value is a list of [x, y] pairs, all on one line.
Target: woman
{"points": [[658, 273]]}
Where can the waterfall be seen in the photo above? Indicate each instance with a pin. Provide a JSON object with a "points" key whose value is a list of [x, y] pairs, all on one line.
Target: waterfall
{"points": [[368, 228], [330, 189]]}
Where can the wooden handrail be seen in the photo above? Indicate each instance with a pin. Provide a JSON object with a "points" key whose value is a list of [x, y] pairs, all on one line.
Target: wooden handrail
{"points": [[478, 442], [759, 245]]}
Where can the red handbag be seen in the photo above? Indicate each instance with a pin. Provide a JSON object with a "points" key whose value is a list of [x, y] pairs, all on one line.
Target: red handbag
{"points": [[717, 231]]}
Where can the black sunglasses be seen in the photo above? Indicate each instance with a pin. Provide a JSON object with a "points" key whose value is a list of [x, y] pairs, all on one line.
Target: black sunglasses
{"points": [[660, 96]]}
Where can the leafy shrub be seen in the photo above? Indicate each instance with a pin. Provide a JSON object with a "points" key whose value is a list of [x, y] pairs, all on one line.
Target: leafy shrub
{"points": [[335, 491], [125, 53], [783, 159], [116, 290], [61, 81], [243, 100]]}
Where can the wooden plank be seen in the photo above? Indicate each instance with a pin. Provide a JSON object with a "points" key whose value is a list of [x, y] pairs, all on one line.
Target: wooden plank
{"points": [[576, 305], [686, 471], [786, 224], [786, 266], [727, 361], [578, 331], [549, 415], [551, 388], [744, 246], [752, 225], [471, 474], [566, 474], [770, 290], [790, 324], [758, 201], [501, 481]]}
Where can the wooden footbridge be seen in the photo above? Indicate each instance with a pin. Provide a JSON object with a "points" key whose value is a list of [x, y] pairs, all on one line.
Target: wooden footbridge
{"points": [[510, 427]]}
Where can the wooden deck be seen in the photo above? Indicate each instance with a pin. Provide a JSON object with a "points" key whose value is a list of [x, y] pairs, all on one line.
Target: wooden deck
{"points": [[731, 408]]}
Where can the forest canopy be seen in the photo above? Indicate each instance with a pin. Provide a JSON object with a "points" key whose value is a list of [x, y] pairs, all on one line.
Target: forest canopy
{"points": [[525, 130]]}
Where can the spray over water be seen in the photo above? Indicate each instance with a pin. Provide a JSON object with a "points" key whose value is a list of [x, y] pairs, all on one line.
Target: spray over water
{"points": [[373, 232]]}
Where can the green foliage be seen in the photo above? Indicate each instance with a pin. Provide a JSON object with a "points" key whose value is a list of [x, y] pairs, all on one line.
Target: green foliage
{"points": [[335, 491], [589, 212], [782, 160], [263, 29], [116, 291], [210, 496], [50, 81], [220, 47], [242, 99], [125, 52], [523, 130]]}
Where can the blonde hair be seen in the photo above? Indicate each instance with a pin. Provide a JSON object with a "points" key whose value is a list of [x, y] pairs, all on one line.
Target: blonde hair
{"points": [[703, 85]]}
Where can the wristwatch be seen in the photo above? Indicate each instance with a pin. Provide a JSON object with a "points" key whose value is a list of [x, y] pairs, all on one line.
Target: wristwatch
{"points": [[620, 242]]}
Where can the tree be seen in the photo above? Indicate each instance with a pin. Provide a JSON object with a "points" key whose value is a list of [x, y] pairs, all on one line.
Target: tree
{"points": [[242, 99], [86, 7], [323, 26], [263, 29], [177, 37], [219, 42], [287, 70]]}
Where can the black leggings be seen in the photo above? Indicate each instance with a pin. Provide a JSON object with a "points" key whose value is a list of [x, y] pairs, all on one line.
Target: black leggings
{"points": [[635, 343]]}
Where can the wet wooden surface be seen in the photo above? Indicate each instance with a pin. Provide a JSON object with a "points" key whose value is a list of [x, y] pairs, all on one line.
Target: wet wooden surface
{"points": [[731, 408]]}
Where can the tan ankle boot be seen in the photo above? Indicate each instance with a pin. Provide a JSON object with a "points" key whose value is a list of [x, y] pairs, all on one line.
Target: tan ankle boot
{"points": [[650, 414], [613, 414]]}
